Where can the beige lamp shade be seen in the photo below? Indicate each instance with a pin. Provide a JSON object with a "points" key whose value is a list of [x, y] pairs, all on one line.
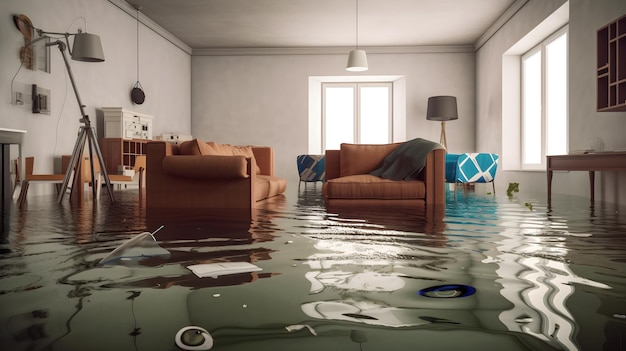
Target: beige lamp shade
{"points": [[357, 61], [87, 47]]}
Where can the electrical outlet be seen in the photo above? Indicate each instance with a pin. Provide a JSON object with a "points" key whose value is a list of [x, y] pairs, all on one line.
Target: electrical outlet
{"points": [[19, 98]]}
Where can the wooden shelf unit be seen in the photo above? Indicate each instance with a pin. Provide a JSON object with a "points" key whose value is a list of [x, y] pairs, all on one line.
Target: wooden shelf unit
{"points": [[117, 152], [611, 66]]}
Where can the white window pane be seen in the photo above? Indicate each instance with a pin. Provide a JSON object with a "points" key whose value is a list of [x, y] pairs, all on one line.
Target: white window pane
{"points": [[374, 115], [556, 96], [339, 117], [531, 128]]}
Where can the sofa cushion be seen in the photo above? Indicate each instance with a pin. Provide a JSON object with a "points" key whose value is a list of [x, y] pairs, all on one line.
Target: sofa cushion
{"points": [[366, 186], [247, 152], [198, 147], [362, 158], [193, 147], [268, 186], [214, 148]]}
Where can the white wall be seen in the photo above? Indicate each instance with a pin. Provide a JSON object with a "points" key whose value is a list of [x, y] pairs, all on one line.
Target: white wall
{"points": [[263, 99], [164, 74], [586, 16]]}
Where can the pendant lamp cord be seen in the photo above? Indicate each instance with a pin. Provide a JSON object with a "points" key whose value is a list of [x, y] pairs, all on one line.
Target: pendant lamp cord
{"points": [[357, 24], [137, 44]]}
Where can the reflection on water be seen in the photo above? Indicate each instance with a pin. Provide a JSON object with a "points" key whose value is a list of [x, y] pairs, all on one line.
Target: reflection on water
{"points": [[492, 271]]}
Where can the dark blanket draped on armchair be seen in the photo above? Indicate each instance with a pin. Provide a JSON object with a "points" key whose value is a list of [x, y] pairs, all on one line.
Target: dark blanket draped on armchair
{"points": [[407, 160]]}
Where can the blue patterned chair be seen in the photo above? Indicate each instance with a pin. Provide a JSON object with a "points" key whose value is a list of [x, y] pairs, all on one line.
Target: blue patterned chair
{"points": [[311, 168], [472, 168]]}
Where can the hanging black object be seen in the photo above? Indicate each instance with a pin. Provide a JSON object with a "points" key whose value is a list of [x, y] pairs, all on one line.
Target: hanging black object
{"points": [[136, 94]]}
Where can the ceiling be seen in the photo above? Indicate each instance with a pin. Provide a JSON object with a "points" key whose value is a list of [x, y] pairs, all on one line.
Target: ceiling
{"points": [[206, 24]]}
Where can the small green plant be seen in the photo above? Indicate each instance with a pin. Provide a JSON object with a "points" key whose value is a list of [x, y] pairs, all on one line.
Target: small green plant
{"points": [[529, 205], [513, 188]]}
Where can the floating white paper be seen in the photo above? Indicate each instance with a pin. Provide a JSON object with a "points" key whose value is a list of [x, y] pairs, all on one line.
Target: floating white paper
{"points": [[214, 270]]}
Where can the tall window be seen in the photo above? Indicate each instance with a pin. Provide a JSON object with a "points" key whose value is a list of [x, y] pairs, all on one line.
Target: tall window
{"points": [[544, 101], [356, 113]]}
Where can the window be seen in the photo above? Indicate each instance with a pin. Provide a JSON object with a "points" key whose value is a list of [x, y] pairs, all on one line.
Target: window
{"points": [[356, 113], [544, 101]]}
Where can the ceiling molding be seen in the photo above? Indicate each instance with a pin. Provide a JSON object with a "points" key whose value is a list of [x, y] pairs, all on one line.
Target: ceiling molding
{"points": [[502, 20], [132, 11], [332, 50]]}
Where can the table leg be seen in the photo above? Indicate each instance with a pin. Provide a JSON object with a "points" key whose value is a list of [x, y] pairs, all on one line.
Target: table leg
{"points": [[549, 187], [6, 177], [78, 184], [592, 182]]}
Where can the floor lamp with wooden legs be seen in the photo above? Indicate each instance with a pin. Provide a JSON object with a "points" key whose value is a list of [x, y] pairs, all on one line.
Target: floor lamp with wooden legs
{"points": [[442, 108]]}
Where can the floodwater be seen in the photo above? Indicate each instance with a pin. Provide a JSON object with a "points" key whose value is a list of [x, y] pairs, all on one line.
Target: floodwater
{"points": [[494, 273]]}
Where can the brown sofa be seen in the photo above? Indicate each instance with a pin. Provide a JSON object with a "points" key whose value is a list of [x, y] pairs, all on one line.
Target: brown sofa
{"points": [[348, 181], [197, 174]]}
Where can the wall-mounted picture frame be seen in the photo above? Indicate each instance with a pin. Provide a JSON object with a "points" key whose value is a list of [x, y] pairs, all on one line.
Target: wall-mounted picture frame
{"points": [[41, 56]]}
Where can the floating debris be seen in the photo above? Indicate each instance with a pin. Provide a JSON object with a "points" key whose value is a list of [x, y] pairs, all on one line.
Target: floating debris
{"points": [[293, 327], [513, 188]]}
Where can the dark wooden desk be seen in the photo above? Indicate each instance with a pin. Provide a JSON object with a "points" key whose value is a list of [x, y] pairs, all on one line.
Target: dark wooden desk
{"points": [[591, 162]]}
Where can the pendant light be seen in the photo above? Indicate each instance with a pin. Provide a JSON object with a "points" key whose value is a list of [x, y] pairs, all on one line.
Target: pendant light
{"points": [[136, 94], [357, 60]]}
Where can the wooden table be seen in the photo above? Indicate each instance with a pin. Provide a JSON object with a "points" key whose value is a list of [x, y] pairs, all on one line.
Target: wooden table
{"points": [[591, 162]]}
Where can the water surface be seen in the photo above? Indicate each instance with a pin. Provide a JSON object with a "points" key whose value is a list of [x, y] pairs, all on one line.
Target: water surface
{"points": [[494, 273]]}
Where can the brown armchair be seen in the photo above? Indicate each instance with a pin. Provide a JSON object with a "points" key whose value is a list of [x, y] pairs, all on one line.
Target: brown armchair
{"points": [[348, 181]]}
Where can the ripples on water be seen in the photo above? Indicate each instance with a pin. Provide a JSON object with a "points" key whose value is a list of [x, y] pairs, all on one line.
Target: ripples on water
{"points": [[512, 275]]}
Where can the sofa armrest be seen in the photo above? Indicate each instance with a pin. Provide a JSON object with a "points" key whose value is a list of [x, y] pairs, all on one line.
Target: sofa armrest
{"points": [[264, 156], [434, 174], [332, 162], [206, 167]]}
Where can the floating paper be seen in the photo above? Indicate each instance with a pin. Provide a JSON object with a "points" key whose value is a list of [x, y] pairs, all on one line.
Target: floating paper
{"points": [[214, 270]]}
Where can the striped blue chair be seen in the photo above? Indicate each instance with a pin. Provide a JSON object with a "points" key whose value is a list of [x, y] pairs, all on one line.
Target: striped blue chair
{"points": [[311, 168], [472, 168]]}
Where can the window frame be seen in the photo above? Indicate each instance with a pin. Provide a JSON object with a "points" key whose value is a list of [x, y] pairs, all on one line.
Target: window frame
{"points": [[356, 86], [541, 47]]}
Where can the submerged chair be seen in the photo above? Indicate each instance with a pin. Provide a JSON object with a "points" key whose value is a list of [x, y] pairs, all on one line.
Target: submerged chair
{"points": [[311, 168], [136, 179], [29, 177], [84, 177], [469, 168]]}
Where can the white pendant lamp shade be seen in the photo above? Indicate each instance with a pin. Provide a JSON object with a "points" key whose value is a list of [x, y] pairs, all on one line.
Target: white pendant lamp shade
{"points": [[357, 61]]}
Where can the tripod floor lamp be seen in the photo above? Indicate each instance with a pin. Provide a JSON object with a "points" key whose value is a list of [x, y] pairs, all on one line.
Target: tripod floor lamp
{"points": [[87, 47], [442, 108]]}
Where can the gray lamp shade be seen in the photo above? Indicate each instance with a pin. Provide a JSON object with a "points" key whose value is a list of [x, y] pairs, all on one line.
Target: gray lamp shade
{"points": [[87, 47], [442, 108], [357, 61]]}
